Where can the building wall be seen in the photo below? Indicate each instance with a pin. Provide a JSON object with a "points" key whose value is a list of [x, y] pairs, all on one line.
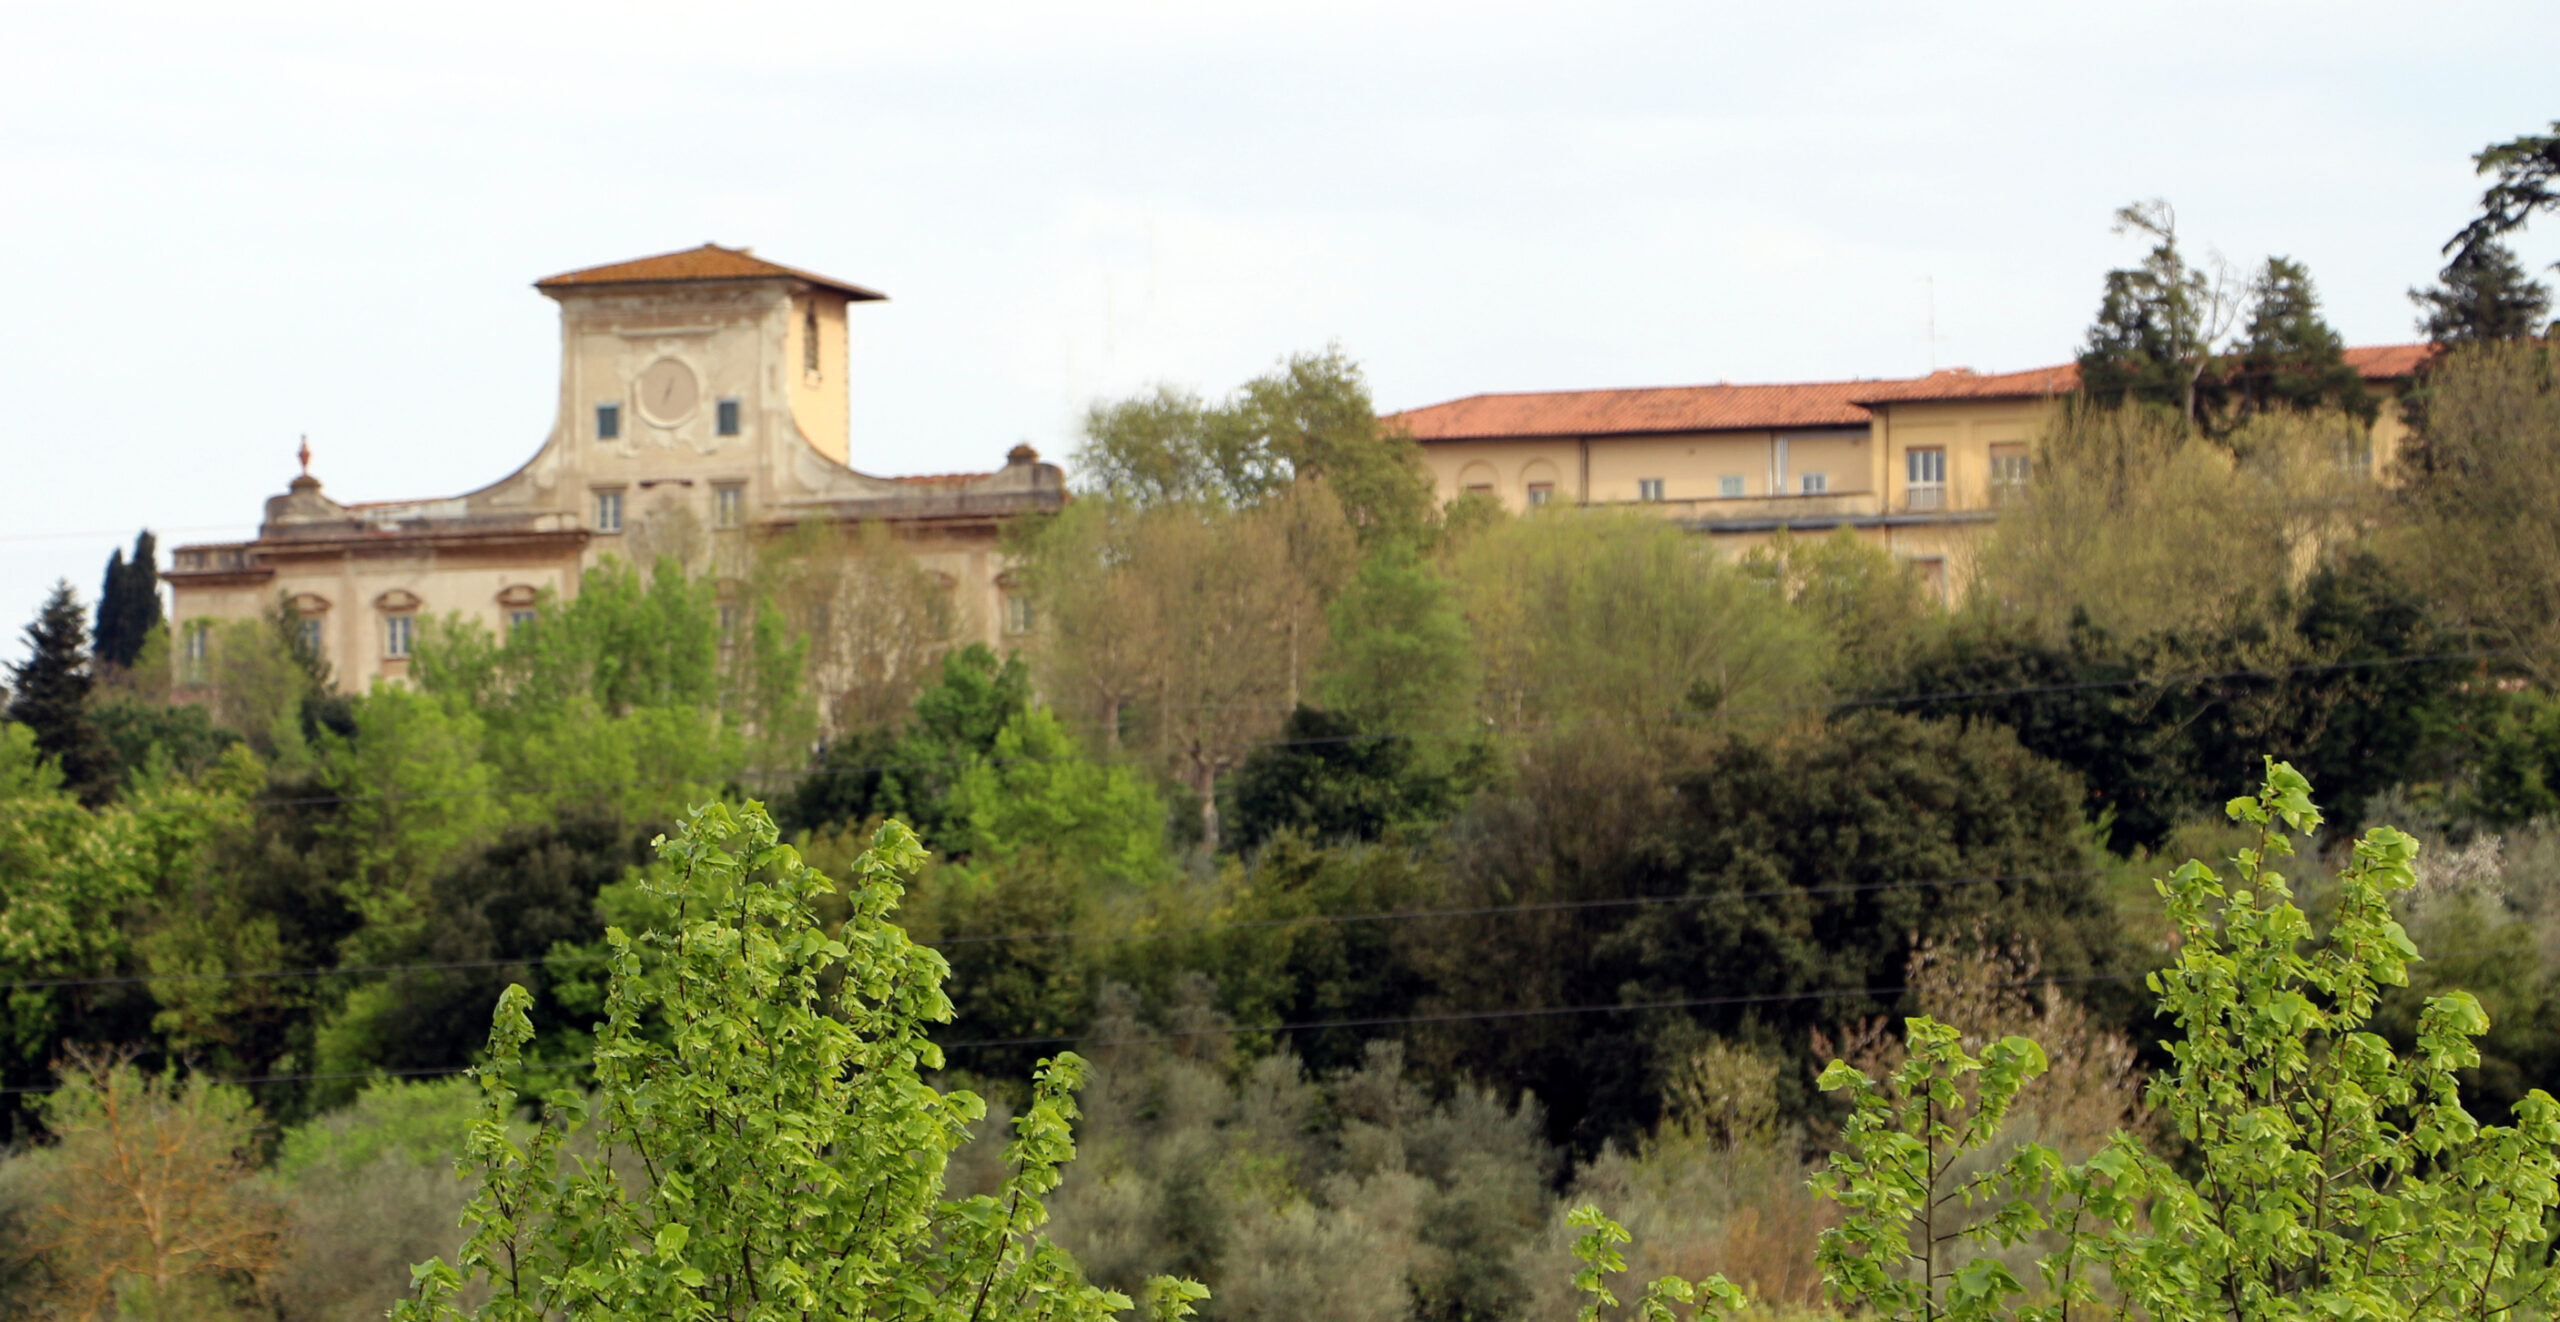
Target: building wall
{"points": [[546, 524], [1691, 466], [820, 401]]}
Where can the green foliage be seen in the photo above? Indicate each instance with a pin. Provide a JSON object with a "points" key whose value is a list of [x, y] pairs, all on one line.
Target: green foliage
{"points": [[1400, 659], [2328, 1175], [1349, 1194], [491, 918], [2483, 294], [2288, 357], [1329, 778], [129, 602], [2160, 725], [2158, 323], [1035, 792], [2482, 504], [1310, 420], [49, 693], [2526, 173], [765, 1075], [1626, 619], [910, 774]]}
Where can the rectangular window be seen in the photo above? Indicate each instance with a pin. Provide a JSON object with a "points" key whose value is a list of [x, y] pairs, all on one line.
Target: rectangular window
{"points": [[1816, 483], [1925, 477], [2008, 473], [608, 511], [306, 634], [1540, 493], [1933, 574], [728, 506], [198, 645], [1648, 488], [1018, 614], [398, 631], [728, 416], [608, 421], [1480, 488], [518, 621], [1729, 485], [729, 622]]}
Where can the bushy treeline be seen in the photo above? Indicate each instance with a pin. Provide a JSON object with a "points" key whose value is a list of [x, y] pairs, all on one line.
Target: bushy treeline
{"points": [[1401, 868]]}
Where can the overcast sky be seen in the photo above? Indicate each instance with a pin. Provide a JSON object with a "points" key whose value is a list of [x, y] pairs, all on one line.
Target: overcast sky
{"points": [[227, 226]]}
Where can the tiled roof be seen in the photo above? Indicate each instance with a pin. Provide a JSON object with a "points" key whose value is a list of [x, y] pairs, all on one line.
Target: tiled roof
{"points": [[1630, 412], [2389, 362], [1965, 383], [2374, 362], [708, 262]]}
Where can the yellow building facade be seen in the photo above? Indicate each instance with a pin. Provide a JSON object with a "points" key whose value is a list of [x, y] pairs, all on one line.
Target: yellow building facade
{"points": [[702, 406], [1915, 464]]}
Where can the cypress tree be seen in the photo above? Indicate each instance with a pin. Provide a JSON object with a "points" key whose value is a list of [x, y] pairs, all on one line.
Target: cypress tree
{"points": [[2482, 294], [51, 692], [129, 602]]}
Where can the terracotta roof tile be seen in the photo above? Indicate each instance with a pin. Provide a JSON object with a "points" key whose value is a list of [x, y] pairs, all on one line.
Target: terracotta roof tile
{"points": [[1965, 383], [708, 262], [1639, 411], [2389, 362]]}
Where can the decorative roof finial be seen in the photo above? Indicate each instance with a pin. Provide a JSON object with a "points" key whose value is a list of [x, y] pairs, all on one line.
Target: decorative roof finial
{"points": [[305, 454]]}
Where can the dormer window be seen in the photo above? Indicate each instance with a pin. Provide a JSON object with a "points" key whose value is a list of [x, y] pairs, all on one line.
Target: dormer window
{"points": [[728, 417], [608, 422]]}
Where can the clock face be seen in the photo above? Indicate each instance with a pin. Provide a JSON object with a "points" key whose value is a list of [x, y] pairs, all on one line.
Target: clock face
{"points": [[668, 392]]}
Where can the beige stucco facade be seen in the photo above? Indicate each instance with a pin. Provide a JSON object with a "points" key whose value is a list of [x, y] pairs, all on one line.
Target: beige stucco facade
{"points": [[695, 417], [1917, 466]]}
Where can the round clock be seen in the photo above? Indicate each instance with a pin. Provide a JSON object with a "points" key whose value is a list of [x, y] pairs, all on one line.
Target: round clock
{"points": [[668, 392]]}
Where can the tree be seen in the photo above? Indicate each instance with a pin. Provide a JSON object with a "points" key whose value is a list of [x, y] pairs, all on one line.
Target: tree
{"points": [[2289, 358], [2527, 171], [50, 692], [1331, 778], [128, 602], [768, 1078], [2321, 1173], [1627, 620], [1310, 420], [2160, 324], [146, 1205], [2483, 534], [1399, 660], [2482, 294]]}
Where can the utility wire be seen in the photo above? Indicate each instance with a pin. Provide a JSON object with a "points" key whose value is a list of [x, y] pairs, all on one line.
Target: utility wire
{"points": [[1230, 1030], [1190, 929]]}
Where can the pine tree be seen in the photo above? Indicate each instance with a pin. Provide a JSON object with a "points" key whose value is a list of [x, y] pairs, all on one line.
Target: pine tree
{"points": [[2289, 357], [128, 602], [2482, 294], [52, 691]]}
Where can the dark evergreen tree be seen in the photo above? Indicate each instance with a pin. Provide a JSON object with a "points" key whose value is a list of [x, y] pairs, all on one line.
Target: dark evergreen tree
{"points": [[1332, 780], [2482, 294], [129, 602], [2289, 357], [2158, 323], [50, 692], [2526, 171]]}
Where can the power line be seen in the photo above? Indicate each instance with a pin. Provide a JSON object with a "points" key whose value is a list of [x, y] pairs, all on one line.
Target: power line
{"points": [[1230, 1030], [1303, 920]]}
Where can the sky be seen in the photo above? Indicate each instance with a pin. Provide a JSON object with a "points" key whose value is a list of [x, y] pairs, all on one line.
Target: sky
{"points": [[225, 228]]}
